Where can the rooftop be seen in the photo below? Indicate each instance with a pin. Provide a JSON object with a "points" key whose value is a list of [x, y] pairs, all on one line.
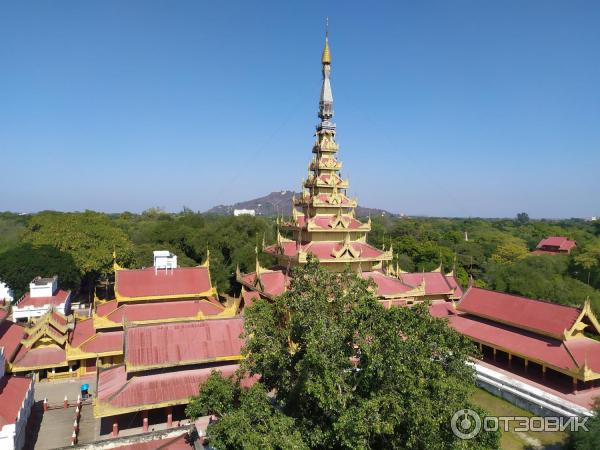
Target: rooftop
{"points": [[156, 283], [535, 315], [182, 343], [12, 394]]}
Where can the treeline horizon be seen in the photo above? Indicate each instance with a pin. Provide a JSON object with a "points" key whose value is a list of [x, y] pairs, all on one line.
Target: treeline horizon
{"points": [[78, 246]]}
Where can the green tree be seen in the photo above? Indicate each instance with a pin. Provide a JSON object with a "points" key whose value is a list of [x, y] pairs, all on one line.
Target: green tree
{"points": [[589, 258], [522, 218], [216, 397], [587, 440], [89, 237], [20, 264], [348, 373], [511, 250]]}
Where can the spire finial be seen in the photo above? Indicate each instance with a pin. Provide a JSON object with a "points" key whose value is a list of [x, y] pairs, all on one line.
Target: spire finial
{"points": [[326, 56]]}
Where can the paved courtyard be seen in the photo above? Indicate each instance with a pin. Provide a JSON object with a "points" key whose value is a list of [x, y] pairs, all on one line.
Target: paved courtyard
{"points": [[53, 428]]}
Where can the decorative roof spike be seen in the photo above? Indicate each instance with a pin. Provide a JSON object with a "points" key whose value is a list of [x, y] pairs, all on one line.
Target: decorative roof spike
{"points": [[326, 55], [438, 269], [206, 262], [238, 273]]}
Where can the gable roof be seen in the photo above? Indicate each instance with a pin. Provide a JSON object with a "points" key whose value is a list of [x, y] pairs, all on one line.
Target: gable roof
{"points": [[557, 241], [181, 282], [546, 318], [182, 343]]}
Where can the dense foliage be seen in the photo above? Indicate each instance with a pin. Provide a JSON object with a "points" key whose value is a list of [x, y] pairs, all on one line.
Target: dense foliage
{"points": [[590, 439], [494, 252], [344, 372]]}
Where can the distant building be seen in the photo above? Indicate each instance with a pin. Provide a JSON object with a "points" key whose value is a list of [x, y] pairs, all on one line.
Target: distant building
{"points": [[555, 244], [164, 259], [43, 296], [16, 402], [6, 293], [244, 212]]}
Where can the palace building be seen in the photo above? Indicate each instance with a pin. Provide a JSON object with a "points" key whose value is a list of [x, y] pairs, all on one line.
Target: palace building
{"points": [[556, 342], [324, 224], [56, 345]]}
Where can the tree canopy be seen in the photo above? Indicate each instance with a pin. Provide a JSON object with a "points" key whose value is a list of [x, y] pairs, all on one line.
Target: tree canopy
{"points": [[344, 372], [21, 264]]}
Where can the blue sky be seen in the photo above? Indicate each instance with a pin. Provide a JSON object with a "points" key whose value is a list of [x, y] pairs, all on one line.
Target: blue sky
{"points": [[443, 108]]}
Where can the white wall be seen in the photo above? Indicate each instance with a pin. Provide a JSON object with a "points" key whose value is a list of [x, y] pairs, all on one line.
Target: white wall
{"points": [[6, 293], [31, 312], [43, 290], [12, 436], [164, 259]]}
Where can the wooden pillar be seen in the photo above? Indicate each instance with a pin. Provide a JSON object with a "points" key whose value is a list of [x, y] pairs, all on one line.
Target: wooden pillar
{"points": [[509, 360], [575, 385], [169, 417], [543, 372], [494, 351], [115, 430], [145, 420], [526, 365]]}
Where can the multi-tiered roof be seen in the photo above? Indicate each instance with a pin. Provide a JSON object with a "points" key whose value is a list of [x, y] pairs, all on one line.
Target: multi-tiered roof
{"points": [[324, 224], [323, 217]]}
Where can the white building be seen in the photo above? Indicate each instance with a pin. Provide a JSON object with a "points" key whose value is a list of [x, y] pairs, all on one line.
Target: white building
{"points": [[43, 294], [164, 259], [16, 402], [6, 293], [244, 212]]}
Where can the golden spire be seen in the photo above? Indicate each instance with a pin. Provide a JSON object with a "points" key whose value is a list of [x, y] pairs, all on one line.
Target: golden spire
{"points": [[326, 56]]}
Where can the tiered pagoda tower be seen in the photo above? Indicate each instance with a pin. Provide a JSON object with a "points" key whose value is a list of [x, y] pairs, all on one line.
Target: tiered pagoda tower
{"points": [[324, 224], [323, 218]]}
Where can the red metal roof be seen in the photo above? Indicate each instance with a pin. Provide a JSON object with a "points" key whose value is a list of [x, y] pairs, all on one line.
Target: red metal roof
{"points": [[435, 282], [11, 335], [38, 302], [12, 393], [274, 282], [522, 312], [84, 329], [162, 310], [49, 356], [103, 342], [560, 242], [386, 285], [169, 443], [570, 355], [326, 221], [144, 391], [150, 282], [183, 343], [324, 250]]}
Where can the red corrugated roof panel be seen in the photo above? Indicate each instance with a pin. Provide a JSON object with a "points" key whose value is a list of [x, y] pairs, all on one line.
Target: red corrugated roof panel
{"points": [[182, 343], [144, 391], [435, 282], [103, 342], [11, 335], [12, 394], [522, 312], [150, 282], [40, 357], [386, 285], [163, 310]]}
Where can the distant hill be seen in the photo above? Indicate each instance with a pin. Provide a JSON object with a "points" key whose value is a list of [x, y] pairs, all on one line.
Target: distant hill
{"points": [[280, 202]]}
